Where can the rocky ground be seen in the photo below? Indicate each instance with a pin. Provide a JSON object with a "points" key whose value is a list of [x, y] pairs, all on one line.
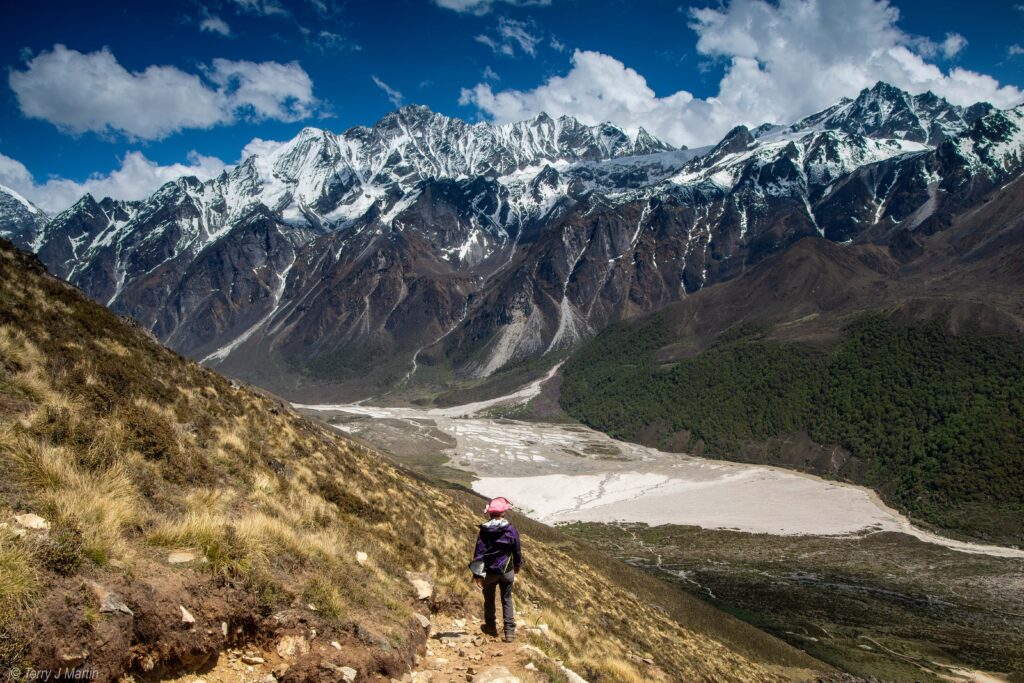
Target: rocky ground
{"points": [[456, 650]]}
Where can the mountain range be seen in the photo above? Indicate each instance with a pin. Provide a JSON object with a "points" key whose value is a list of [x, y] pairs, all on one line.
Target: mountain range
{"points": [[425, 248]]}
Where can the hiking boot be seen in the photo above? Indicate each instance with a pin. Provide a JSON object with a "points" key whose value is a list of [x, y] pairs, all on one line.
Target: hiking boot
{"points": [[490, 629], [510, 637]]}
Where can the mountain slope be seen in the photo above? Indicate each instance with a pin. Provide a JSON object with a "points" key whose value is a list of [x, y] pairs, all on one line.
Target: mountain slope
{"points": [[901, 367], [424, 248], [187, 515]]}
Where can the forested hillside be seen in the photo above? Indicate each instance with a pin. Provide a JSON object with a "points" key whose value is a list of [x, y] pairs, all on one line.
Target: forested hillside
{"points": [[934, 421]]}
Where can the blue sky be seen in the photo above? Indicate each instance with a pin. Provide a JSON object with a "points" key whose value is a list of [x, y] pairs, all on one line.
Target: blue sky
{"points": [[142, 91]]}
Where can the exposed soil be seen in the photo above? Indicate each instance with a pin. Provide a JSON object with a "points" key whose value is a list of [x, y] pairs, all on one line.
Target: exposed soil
{"points": [[155, 623]]}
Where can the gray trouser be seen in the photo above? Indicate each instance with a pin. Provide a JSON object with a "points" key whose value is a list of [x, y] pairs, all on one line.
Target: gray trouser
{"points": [[492, 581]]}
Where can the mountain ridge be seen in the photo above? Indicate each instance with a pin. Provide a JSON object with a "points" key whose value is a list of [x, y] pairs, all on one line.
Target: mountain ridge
{"points": [[436, 255]]}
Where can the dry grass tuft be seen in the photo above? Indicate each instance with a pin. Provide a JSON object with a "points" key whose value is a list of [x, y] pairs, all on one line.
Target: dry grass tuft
{"points": [[18, 580]]}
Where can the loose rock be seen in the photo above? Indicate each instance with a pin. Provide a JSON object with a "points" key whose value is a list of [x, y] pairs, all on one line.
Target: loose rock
{"points": [[182, 557], [31, 521], [109, 602], [495, 674], [186, 616], [73, 660], [362, 557], [292, 645]]}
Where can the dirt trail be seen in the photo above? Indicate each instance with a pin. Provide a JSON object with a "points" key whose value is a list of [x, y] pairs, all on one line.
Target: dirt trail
{"points": [[456, 650]]}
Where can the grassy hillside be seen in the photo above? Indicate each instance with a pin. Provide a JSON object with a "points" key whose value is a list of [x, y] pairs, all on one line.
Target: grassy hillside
{"points": [[187, 514], [934, 421]]}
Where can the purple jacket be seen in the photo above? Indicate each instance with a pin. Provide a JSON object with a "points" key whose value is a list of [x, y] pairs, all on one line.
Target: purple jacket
{"points": [[497, 547]]}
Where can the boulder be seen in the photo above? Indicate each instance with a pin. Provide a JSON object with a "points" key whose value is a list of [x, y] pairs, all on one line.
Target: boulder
{"points": [[421, 584]]}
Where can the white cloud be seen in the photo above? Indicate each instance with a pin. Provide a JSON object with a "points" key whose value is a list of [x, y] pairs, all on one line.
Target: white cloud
{"points": [[557, 45], [136, 178], [328, 41], [481, 7], [950, 46], [214, 24], [393, 95], [260, 147], [953, 44], [493, 44], [510, 35], [14, 175], [490, 74], [270, 90], [1015, 50], [92, 92], [784, 61], [265, 8]]}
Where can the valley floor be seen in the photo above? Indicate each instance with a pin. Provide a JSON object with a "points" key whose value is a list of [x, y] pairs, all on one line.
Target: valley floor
{"points": [[568, 472]]}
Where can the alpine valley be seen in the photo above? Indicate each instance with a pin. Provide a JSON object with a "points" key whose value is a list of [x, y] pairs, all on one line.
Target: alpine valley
{"points": [[425, 249]]}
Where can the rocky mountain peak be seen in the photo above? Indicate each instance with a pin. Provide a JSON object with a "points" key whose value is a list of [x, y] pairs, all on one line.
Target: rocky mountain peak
{"points": [[885, 111]]}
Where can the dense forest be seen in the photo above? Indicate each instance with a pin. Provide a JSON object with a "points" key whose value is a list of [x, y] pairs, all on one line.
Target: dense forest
{"points": [[936, 420]]}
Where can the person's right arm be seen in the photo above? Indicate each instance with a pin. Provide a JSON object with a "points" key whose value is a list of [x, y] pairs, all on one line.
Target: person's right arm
{"points": [[517, 554]]}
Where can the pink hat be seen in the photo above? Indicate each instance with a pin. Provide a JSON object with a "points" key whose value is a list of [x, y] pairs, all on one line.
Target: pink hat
{"points": [[498, 505]]}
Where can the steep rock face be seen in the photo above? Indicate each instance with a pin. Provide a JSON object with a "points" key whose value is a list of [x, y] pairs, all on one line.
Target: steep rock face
{"points": [[358, 260]]}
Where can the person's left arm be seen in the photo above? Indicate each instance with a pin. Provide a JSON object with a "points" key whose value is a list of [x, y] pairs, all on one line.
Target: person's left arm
{"points": [[478, 556]]}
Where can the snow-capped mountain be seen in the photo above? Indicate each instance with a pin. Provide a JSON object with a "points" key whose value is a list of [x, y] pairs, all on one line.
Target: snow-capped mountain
{"points": [[425, 244], [884, 111], [21, 221]]}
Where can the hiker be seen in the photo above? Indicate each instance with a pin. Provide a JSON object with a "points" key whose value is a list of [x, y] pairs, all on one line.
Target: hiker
{"points": [[497, 560]]}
